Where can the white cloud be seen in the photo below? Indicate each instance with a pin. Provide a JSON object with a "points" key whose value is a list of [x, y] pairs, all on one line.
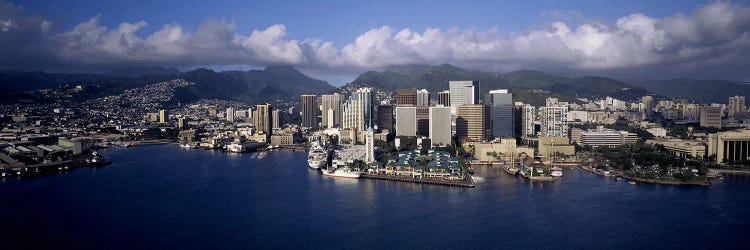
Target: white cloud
{"points": [[713, 36]]}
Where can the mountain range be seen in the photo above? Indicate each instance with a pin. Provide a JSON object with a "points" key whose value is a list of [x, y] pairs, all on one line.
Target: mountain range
{"points": [[280, 82]]}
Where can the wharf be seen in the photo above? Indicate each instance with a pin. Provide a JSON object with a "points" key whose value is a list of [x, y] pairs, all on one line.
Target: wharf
{"points": [[25, 170], [672, 182], [466, 183]]}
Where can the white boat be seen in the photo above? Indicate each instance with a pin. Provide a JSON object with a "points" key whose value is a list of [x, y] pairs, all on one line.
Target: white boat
{"points": [[556, 172], [317, 157], [342, 172]]}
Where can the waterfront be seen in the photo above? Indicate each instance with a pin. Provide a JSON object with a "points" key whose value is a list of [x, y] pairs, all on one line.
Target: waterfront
{"points": [[162, 196]]}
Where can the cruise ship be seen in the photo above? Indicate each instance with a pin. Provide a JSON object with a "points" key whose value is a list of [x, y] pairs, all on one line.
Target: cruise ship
{"points": [[317, 157], [342, 172]]}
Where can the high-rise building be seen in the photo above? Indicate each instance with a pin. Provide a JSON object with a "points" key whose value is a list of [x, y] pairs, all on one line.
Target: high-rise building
{"points": [[736, 104], [385, 118], [463, 92], [406, 121], [357, 110], [370, 146], [309, 109], [423, 120], [554, 118], [690, 112], [181, 123], [423, 97], [263, 119], [444, 98], [163, 116], [275, 124], [212, 112], [710, 117], [229, 115], [647, 104], [528, 119], [440, 126], [406, 97], [331, 109], [501, 102], [473, 121]]}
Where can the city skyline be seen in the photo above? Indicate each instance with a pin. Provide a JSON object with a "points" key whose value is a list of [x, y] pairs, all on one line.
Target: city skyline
{"points": [[636, 41]]}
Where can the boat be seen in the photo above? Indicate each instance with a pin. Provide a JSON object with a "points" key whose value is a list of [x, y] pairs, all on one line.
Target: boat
{"points": [[556, 172], [341, 172], [631, 182], [189, 145], [317, 157], [510, 169]]}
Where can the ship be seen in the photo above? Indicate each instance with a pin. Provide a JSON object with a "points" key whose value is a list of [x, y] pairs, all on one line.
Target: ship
{"points": [[510, 169], [317, 157], [556, 172], [342, 172]]}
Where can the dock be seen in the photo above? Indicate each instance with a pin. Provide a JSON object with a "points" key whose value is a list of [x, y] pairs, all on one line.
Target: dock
{"points": [[466, 183]]}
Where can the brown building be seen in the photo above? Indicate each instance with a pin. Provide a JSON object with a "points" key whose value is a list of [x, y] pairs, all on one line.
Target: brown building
{"points": [[309, 111], [385, 118], [263, 119], [406, 97], [473, 121]]}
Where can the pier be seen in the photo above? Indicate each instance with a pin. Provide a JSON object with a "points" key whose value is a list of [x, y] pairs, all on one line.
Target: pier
{"points": [[466, 183]]}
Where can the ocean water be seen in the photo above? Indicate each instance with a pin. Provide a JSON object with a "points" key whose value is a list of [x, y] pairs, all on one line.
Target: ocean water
{"points": [[162, 196]]}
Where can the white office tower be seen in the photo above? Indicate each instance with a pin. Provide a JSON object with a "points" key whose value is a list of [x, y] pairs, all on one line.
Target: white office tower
{"points": [[330, 106], [370, 146], [406, 121], [554, 118], [423, 97], [501, 102], [528, 120], [357, 110], [463, 92], [230, 115], [440, 126]]}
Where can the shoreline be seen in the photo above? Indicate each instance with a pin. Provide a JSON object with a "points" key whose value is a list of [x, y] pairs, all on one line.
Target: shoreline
{"points": [[705, 183]]}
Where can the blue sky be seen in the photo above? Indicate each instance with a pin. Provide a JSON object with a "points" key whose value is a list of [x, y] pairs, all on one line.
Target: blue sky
{"points": [[337, 40], [341, 21]]}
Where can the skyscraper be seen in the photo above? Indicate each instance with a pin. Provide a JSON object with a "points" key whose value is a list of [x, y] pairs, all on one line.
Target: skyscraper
{"points": [[385, 118], [710, 117], [229, 115], [736, 104], [163, 116], [370, 146], [275, 124], [554, 118], [444, 98], [357, 110], [423, 97], [263, 119], [406, 121], [181, 123], [463, 92], [501, 102], [529, 117], [473, 121], [406, 97], [440, 126], [647, 103], [331, 107], [309, 111]]}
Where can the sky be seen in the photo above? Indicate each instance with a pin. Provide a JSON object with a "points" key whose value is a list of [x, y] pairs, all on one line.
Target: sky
{"points": [[337, 40]]}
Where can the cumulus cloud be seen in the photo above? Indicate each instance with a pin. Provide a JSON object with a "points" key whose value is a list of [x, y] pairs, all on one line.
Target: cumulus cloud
{"points": [[713, 40]]}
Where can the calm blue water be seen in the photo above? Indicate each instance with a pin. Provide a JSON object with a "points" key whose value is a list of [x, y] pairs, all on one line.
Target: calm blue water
{"points": [[167, 197]]}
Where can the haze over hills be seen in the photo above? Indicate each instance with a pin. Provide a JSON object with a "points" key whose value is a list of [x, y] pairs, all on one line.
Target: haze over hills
{"points": [[699, 90], [275, 82], [435, 79], [279, 82]]}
